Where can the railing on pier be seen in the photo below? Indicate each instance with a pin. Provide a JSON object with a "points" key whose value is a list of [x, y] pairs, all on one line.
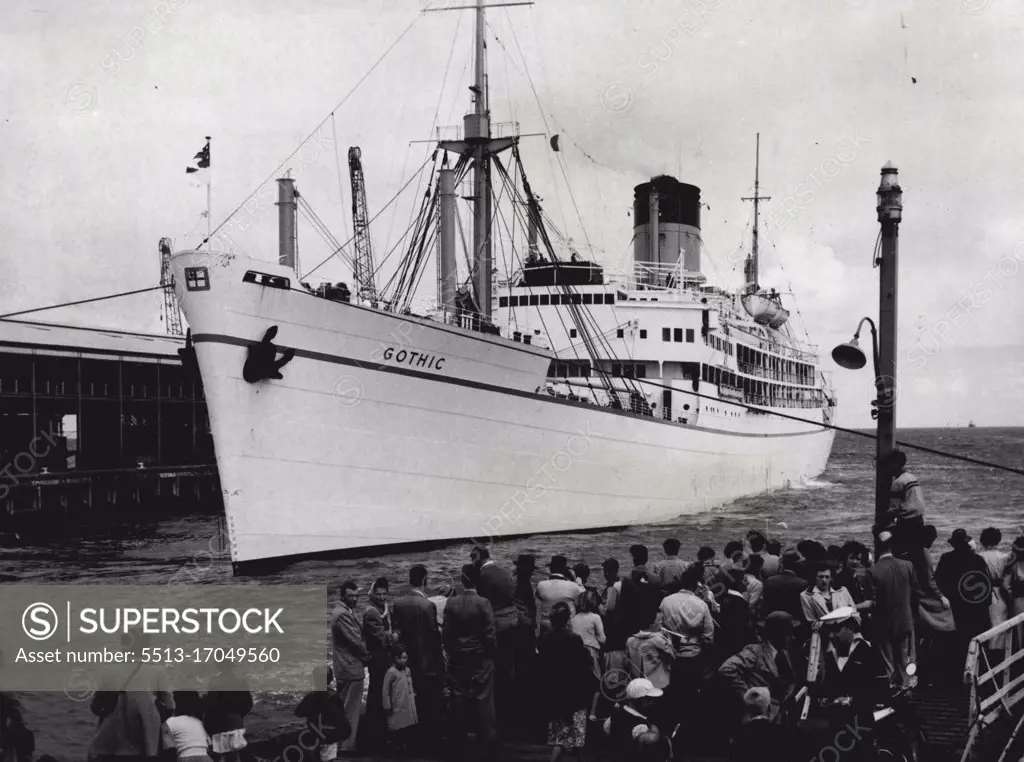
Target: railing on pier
{"points": [[995, 689]]}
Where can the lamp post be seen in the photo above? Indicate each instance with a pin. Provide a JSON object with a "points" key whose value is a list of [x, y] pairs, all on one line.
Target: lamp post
{"points": [[890, 210]]}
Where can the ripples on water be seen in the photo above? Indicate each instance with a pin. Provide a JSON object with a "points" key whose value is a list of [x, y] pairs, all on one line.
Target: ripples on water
{"points": [[833, 507]]}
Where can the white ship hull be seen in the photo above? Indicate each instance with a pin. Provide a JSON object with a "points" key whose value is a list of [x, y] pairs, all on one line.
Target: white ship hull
{"points": [[359, 447]]}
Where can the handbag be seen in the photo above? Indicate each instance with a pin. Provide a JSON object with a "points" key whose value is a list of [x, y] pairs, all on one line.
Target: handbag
{"points": [[105, 702]]}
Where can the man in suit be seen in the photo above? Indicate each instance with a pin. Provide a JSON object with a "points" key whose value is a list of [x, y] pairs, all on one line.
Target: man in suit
{"points": [[782, 591], [962, 576], [350, 658], [378, 636], [497, 587], [470, 640], [897, 595], [414, 618]]}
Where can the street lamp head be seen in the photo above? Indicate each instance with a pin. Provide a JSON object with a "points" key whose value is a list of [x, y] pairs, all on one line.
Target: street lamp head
{"points": [[850, 355], [890, 195]]}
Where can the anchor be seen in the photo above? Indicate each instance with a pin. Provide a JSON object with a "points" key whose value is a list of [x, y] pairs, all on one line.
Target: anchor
{"points": [[262, 362]]}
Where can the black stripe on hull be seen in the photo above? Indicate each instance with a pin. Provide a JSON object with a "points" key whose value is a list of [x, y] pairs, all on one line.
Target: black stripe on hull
{"points": [[216, 338]]}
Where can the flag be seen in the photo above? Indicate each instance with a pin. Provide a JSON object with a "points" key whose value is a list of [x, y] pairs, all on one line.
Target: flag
{"points": [[202, 159]]}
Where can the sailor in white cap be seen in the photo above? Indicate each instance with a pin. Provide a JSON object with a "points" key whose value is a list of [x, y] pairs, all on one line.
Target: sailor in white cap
{"points": [[854, 678], [633, 733]]}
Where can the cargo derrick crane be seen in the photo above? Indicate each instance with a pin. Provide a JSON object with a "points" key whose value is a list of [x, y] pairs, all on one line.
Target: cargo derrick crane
{"points": [[172, 316], [362, 265]]}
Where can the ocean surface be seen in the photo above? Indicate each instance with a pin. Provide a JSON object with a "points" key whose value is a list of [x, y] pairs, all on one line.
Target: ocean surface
{"points": [[834, 507]]}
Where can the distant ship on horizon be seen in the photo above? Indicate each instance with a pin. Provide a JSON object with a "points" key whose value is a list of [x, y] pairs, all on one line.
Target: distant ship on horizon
{"points": [[971, 425]]}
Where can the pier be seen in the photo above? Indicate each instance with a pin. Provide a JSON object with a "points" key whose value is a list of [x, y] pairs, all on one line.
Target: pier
{"points": [[97, 423]]}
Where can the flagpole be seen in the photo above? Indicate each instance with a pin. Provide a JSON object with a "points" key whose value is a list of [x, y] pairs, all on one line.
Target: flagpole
{"points": [[209, 184]]}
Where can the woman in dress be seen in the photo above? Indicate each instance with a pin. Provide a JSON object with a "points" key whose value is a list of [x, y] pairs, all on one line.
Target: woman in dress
{"points": [[568, 678], [997, 561]]}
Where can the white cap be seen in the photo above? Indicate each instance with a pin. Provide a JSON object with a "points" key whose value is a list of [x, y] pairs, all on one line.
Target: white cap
{"points": [[642, 688], [839, 615]]}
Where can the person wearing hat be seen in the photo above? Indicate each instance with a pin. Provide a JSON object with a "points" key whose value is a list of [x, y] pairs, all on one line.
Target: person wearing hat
{"points": [[897, 596], [767, 664], [782, 591], [962, 576], [560, 587], [470, 642], [854, 672], [633, 733]]}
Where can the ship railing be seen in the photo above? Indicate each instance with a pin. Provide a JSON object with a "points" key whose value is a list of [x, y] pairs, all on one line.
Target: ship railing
{"points": [[775, 375], [658, 277], [994, 688]]}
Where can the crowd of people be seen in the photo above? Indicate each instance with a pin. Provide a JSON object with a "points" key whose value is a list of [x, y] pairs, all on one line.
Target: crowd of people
{"points": [[716, 646], [665, 655]]}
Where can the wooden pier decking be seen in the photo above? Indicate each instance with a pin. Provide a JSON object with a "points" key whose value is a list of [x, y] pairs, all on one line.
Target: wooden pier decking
{"points": [[942, 711]]}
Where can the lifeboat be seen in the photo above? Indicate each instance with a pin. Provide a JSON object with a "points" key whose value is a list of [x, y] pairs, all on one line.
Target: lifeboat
{"points": [[765, 310]]}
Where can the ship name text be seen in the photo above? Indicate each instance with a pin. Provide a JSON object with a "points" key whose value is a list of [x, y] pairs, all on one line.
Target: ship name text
{"points": [[414, 359]]}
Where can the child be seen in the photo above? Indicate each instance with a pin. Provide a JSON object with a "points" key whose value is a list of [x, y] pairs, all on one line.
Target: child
{"points": [[324, 713], [184, 734], [587, 624], [399, 697]]}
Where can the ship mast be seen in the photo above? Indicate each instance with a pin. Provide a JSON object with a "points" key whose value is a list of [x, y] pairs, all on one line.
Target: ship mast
{"points": [[750, 268], [478, 145]]}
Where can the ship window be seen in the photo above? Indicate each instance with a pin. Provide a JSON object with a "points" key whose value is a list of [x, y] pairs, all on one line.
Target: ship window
{"points": [[503, 301], [641, 371], [534, 300], [572, 333], [643, 333], [616, 369], [588, 298], [620, 333], [197, 279], [677, 334], [544, 300], [689, 335], [577, 298], [554, 299], [666, 334], [609, 298]]}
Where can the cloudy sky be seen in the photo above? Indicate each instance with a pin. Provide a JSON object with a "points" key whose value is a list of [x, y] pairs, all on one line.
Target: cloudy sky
{"points": [[105, 103]]}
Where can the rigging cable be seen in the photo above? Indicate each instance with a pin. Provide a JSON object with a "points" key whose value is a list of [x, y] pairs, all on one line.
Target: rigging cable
{"points": [[83, 301], [561, 166], [288, 158], [379, 211]]}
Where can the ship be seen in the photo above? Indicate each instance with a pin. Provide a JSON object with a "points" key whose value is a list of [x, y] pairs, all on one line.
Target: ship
{"points": [[562, 397]]}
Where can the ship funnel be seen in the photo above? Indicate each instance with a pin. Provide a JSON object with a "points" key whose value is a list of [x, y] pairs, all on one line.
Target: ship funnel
{"points": [[286, 221], [666, 226]]}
